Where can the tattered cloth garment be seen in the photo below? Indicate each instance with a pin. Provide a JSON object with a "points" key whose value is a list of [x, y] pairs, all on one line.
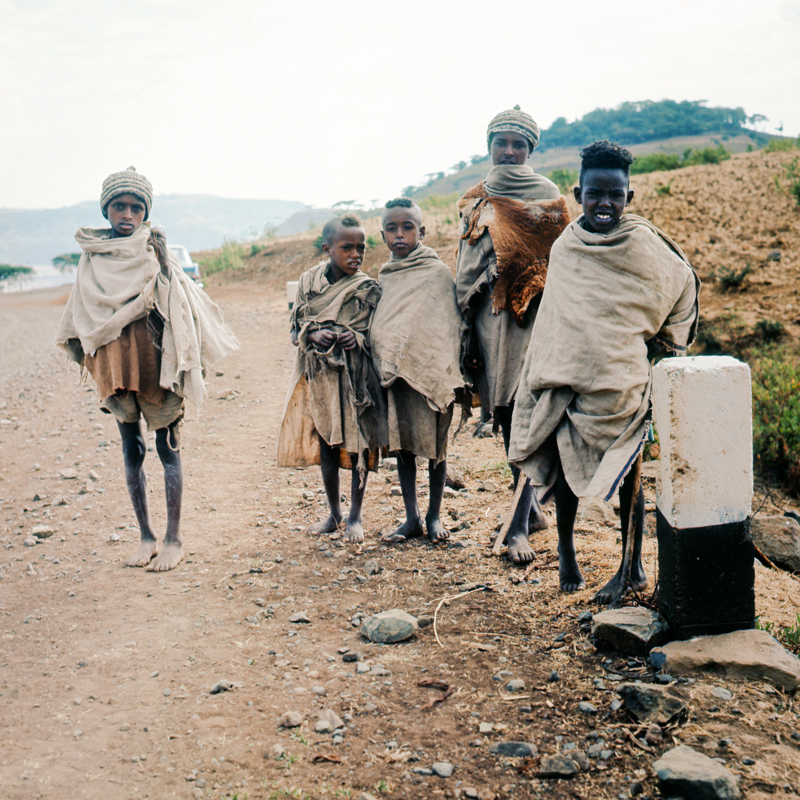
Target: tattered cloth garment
{"points": [[335, 393], [584, 396], [415, 347], [522, 232], [119, 281], [497, 281]]}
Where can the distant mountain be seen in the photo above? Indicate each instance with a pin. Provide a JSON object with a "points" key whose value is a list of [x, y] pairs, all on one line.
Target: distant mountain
{"points": [[199, 222], [305, 220]]}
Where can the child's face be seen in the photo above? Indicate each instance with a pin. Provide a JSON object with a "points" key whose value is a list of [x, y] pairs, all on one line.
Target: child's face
{"points": [[603, 193], [402, 229], [346, 251], [125, 213], [509, 148]]}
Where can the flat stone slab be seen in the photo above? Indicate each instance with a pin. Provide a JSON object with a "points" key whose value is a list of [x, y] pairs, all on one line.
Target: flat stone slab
{"points": [[686, 773], [514, 749], [778, 538], [558, 766], [747, 655], [651, 703], [390, 626], [633, 630]]}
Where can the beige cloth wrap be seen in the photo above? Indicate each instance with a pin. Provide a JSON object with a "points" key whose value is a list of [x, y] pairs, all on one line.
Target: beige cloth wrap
{"points": [[500, 342], [587, 376], [415, 348], [119, 281], [335, 393]]}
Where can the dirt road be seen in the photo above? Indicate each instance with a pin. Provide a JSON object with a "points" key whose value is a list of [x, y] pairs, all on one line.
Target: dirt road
{"points": [[106, 672]]}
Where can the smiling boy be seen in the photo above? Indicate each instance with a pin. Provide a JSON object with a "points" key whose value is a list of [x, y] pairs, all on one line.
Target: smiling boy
{"points": [[333, 409], [617, 291], [415, 347], [146, 334]]}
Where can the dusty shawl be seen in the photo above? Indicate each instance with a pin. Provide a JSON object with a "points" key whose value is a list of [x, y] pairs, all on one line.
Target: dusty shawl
{"points": [[524, 215], [587, 376], [119, 281], [415, 331], [334, 393]]}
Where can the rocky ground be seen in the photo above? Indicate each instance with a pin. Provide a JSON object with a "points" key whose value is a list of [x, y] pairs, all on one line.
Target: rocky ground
{"points": [[118, 683]]}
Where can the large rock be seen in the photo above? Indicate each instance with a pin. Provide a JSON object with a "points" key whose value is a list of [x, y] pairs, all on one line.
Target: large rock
{"points": [[328, 720], [390, 626], [685, 772], [650, 703], [633, 629], [455, 477], [594, 510], [779, 539], [749, 655]]}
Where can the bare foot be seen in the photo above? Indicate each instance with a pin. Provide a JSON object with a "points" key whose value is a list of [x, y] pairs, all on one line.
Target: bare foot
{"points": [[170, 556], [143, 555], [410, 529], [537, 521], [613, 591], [328, 525], [436, 531], [570, 578], [354, 533], [519, 551]]}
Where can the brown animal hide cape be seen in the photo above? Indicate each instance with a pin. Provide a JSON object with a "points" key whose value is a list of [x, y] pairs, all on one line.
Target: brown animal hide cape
{"points": [[415, 347], [335, 393], [510, 221], [584, 397], [119, 281]]}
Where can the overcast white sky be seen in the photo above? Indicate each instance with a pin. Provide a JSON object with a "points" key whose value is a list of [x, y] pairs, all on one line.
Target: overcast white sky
{"points": [[329, 100]]}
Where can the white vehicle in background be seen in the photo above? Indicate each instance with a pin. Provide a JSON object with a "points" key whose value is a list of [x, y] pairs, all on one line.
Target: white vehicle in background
{"points": [[191, 268]]}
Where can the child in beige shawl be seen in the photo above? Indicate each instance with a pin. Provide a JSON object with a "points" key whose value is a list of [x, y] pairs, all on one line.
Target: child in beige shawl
{"points": [[415, 347], [617, 291]]}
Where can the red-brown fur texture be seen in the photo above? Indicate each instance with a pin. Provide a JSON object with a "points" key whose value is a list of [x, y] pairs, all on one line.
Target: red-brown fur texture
{"points": [[522, 234]]}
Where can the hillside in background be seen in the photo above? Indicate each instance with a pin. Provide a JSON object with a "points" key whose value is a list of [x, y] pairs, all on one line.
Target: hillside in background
{"points": [[36, 236], [664, 126]]}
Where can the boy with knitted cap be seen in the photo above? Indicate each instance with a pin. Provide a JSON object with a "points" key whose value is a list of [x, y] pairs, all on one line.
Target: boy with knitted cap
{"points": [[146, 334], [618, 292], [333, 413], [509, 222], [415, 347]]}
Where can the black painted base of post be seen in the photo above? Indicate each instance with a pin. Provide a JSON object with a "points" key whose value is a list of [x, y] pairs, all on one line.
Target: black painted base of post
{"points": [[705, 578]]}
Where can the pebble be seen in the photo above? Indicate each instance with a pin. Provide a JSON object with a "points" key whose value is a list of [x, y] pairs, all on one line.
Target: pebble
{"points": [[722, 694], [362, 668], [113, 536], [276, 751], [553, 677], [29, 542], [30, 570], [517, 685], [444, 769], [448, 492], [558, 766], [587, 708], [514, 749], [291, 719], [320, 691], [351, 656], [390, 626], [372, 567], [328, 721], [42, 531], [221, 686], [68, 474], [299, 617], [485, 727]]}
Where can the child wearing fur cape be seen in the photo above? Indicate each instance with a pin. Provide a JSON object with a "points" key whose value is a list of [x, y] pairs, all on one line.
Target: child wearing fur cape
{"points": [[618, 291], [146, 334], [509, 222], [333, 414], [415, 346]]}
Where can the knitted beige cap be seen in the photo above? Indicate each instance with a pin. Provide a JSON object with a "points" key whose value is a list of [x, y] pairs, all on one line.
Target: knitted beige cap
{"points": [[128, 181], [514, 121]]}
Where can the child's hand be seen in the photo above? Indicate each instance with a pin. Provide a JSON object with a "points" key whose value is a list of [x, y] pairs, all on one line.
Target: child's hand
{"points": [[347, 340], [322, 338], [159, 243]]}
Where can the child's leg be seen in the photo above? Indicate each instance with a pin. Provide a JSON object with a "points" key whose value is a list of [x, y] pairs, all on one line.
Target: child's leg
{"points": [[133, 452], [519, 550], [354, 530], [637, 580], [171, 553], [329, 467], [437, 477], [569, 574], [536, 519], [407, 473]]}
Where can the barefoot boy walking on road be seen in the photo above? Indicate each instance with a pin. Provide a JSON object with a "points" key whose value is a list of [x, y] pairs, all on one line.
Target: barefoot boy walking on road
{"points": [[146, 334], [333, 409], [415, 345]]}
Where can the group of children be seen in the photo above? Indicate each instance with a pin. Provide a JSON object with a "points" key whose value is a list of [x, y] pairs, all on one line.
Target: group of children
{"points": [[552, 323]]}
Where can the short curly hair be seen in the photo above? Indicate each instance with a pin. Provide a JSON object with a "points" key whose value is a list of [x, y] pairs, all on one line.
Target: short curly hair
{"points": [[603, 154], [331, 227], [401, 202]]}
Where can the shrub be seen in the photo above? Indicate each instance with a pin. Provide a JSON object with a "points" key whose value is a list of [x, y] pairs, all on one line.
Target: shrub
{"points": [[655, 162], [7, 271], [318, 242], [770, 330], [730, 279], [438, 201], [782, 145], [565, 179], [372, 242], [664, 189], [708, 155], [776, 420], [228, 257]]}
